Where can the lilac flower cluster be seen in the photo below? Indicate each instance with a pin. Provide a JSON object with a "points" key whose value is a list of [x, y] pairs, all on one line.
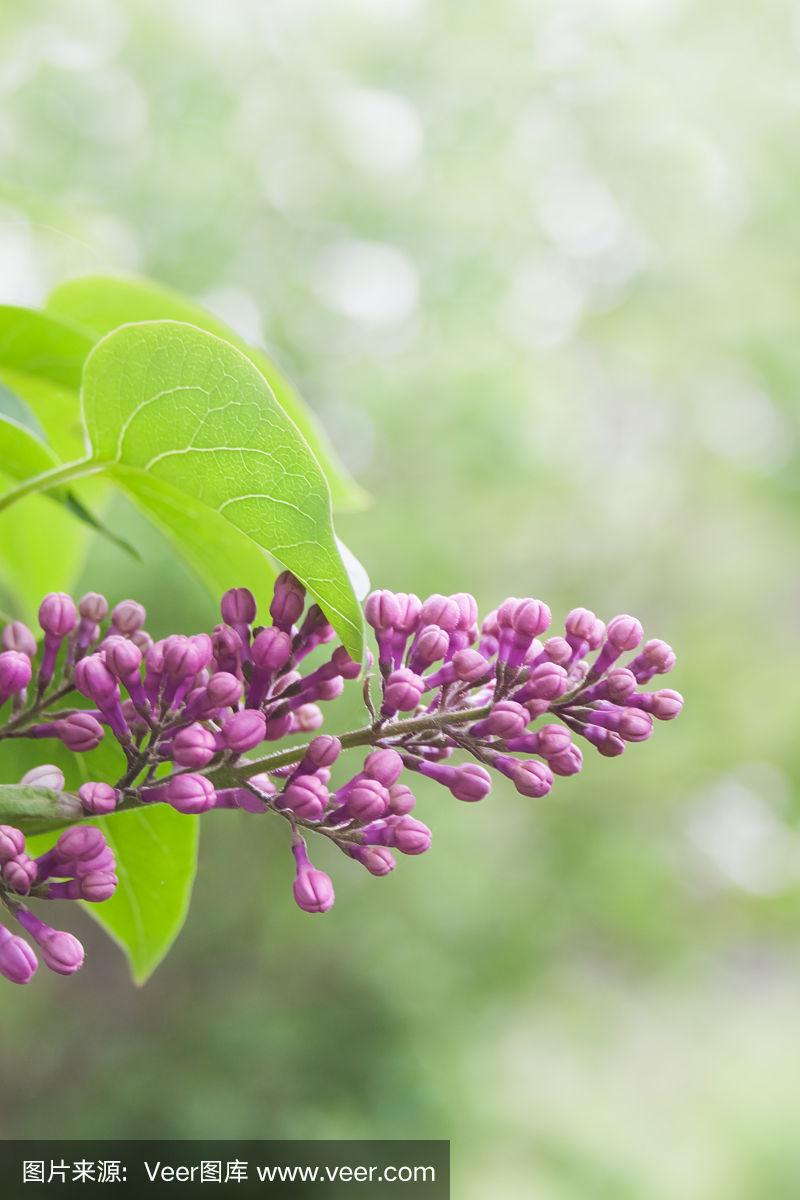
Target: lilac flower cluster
{"points": [[189, 711]]}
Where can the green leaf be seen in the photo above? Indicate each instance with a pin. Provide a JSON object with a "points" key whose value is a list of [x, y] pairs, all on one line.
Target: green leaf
{"points": [[36, 809], [156, 853], [103, 303], [22, 453], [165, 401], [43, 346]]}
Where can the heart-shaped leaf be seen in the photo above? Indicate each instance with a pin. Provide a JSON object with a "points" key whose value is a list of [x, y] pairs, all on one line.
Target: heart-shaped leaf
{"points": [[102, 303], [169, 403]]}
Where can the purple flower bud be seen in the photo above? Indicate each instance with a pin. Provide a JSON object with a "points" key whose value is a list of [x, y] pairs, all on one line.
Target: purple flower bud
{"points": [[18, 962], [567, 763], [441, 611], [624, 632], [581, 624], [410, 836], [182, 658], [471, 783], [323, 751], [17, 636], [20, 874], [61, 952], [97, 886], [238, 607], [97, 798], [635, 725], [227, 646], [288, 601], [94, 680], [190, 794], [93, 607], [47, 776], [429, 646], [506, 720], [80, 732], [313, 889], [410, 607], [655, 658], [194, 747], [142, 639], [272, 649], [306, 797], [620, 684], [665, 705], [124, 659], [382, 610], [244, 730], [609, 743], [223, 690], [80, 843], [547, 682], [15, 673], [402, 692], [467, 609], [128, 617], [377, 859], [557, 650], [367, 800], [530, 778], [384, 765], [401, 800], [307, 718], [12, 843], [58, 615], [469, 666]]}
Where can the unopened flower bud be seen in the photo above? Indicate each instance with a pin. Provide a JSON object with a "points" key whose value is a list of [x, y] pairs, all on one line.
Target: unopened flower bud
{"points": [[569, 762], [312, 889], [271, 649], [288, 601], [402, 691], [384, 765], [471, 783], [194, 747], [17, 636], [401, 800], [58, 615], [244, 730], [61, 952], [378, 860], [223, 690], [20, 874], [80, 732], [441, 611], [128, 616], [46, 776], [506, 720], [367, 800], [12, 843], [17, 961], [93, 607], [97, 798], [306, 796], [15, 673], [190, 794]]}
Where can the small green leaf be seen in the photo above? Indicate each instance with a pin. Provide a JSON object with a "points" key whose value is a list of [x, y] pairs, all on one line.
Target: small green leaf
{"points": [[156, 853], [166, 401], [102, 303], [36, 809]]}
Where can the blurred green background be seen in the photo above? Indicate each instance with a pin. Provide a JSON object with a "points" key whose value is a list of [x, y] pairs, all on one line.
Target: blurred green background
{"points": [[535, 265]]}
